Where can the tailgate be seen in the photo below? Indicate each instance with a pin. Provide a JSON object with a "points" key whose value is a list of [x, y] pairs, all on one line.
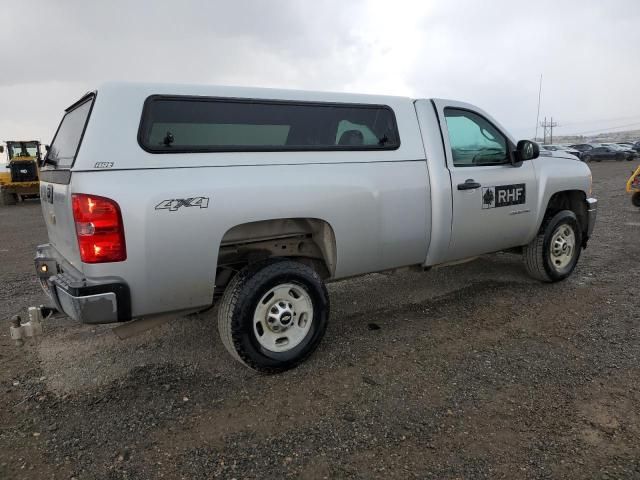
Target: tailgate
{"points": [[58, 216]]}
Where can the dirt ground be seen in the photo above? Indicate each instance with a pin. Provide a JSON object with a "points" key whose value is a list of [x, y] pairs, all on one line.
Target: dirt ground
{"points": [[472, 371]]}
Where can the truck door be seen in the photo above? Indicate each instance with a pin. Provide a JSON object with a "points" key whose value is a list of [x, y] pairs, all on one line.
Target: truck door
{"points": [[493, 200]]}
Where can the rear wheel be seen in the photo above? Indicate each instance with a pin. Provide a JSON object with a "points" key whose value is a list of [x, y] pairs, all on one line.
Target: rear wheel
{"points": [[273, 314], [635, 199], [553, 254]]}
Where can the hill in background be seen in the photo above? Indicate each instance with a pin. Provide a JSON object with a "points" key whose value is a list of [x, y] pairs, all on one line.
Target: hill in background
{"points": [[606, 137]]}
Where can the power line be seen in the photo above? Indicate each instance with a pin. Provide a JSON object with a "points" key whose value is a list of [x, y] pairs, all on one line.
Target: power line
{"points": [[603, 120], [606, 129], [587, 123]]}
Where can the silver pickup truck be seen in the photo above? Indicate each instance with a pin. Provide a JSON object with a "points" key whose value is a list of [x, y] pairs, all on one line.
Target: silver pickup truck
{"points": [[164, 199]]}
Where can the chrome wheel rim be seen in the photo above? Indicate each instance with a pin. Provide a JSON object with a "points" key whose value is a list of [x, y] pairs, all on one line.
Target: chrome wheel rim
{"points": [[563, 245], [283, 317]]}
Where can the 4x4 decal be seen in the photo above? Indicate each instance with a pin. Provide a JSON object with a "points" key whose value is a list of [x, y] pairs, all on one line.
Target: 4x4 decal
{"points": [[174, 204]]}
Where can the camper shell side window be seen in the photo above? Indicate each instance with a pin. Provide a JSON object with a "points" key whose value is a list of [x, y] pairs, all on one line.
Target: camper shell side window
{"points": [[180, 124]]}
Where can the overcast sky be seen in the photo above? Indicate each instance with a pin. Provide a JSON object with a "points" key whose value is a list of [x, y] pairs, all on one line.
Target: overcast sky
{"points": [[489, 53]]}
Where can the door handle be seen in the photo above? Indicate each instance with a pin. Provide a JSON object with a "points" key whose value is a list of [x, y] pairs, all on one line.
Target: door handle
{"points": [[469, 184]]}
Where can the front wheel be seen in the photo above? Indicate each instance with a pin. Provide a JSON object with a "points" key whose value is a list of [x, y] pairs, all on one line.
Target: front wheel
{"points": [[635, 199], [586, 158], [273, 314], [554, 253]]}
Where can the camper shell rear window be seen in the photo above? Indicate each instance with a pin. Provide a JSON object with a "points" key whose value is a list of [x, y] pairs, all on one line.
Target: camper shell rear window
{"points": [[182, 124], [68, 137]]}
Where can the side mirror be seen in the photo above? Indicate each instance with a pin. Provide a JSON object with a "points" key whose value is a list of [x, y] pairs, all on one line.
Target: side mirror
{"points": [[526, 150], [1, 148], [46, 148]]}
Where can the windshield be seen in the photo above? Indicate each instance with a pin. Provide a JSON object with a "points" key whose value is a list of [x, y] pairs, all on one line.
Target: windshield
{"points": [[22, 149], [67, 140]]}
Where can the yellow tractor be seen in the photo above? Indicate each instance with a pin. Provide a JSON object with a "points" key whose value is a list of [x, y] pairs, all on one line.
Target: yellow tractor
{"points": [[22, 180], [633, 187]]}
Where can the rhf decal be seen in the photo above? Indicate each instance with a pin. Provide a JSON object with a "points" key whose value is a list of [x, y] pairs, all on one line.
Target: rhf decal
{"points": [[175, 203], [503, 196]]}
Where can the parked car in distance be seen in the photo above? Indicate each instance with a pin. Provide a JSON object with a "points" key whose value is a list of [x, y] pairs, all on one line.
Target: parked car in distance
{"points": [[630, 153], [562, 148], [633, 146], [600, 152], [582, 147]]}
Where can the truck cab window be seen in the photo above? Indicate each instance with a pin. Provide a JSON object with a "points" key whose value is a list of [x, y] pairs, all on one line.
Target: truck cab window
{"points": [[474, 140]]}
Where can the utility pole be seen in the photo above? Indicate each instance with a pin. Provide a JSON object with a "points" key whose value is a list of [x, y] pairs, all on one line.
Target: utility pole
{"points": [[535, 137], [547, 127]]}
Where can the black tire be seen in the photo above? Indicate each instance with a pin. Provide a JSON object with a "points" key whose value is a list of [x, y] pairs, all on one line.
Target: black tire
{"points": [[241, 299], [537, 256], [635, 199], [586, 158]]}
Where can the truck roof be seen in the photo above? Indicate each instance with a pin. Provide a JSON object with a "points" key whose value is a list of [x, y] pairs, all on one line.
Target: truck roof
{"points": [[116, 115], [246, 92]]}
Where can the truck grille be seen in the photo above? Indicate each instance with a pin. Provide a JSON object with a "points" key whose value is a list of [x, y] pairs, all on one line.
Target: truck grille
{"points": [[24, 172]]}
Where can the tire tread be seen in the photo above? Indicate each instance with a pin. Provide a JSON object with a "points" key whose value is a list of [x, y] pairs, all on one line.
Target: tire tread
{"points": [[533, 255]]}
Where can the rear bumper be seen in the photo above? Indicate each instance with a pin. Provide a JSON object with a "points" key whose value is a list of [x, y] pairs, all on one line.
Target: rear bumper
{"points": [[104, 300], [592, 212]]}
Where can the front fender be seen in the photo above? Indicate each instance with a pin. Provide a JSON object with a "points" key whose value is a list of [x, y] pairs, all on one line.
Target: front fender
{"points": [[556, 175]]}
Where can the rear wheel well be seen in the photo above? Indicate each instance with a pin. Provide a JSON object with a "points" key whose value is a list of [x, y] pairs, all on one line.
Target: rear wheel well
{"points": [[574, 200], [307, 240]]}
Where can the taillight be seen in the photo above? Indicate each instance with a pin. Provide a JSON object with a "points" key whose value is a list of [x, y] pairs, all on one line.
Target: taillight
{"points": [[99, 229]]}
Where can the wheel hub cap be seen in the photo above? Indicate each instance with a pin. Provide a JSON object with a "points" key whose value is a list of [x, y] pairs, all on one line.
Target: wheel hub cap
{"points": [[563, 244], [280, 316], [283, 317]]}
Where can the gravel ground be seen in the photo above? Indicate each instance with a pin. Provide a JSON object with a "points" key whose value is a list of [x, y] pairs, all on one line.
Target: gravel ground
{"points": [[472, 371]]}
